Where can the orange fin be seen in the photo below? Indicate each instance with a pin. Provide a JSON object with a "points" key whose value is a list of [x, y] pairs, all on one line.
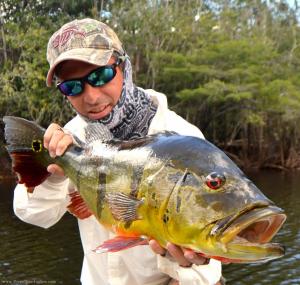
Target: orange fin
{"points": [[225, 260], [120, 243], [78, 207], [28, 170]]}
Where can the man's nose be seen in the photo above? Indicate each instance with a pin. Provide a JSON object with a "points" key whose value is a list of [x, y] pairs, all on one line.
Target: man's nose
{"points": [[91, 94]]}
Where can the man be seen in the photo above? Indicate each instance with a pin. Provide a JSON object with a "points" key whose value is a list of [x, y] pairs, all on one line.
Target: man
{"points": [[94, 73]]}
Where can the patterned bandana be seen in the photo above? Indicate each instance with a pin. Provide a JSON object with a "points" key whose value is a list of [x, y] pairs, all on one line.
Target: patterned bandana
{"points": [[132, 115]]}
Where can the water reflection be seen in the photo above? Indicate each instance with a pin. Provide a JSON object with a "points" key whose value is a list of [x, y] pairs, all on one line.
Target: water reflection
{"points": [[30, 253], [55, 255]]}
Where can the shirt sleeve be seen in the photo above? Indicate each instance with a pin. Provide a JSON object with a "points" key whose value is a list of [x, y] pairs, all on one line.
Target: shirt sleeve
{"points": [[46, 205], [176, 123], [208, 274]]}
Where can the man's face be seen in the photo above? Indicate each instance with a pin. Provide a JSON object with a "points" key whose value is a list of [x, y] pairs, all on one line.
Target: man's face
{"points": [[94, 102]]}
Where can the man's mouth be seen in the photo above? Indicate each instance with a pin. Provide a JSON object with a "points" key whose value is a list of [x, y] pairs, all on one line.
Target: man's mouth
{"points": [[99, 112]]}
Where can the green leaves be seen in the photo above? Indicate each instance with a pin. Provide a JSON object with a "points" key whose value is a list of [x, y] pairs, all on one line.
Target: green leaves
{"points": [[229, 67]]}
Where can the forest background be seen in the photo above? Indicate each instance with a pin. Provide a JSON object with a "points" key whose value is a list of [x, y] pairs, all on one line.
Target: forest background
{"points": [[229, 67]]}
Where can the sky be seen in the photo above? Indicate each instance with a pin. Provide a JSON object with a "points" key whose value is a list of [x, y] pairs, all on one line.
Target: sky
{"points": [[291, 2]]}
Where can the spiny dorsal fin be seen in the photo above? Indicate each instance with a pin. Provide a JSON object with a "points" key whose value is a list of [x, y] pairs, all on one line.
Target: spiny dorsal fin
{"points": [[142, 141], [123, 207], [97, 132]]}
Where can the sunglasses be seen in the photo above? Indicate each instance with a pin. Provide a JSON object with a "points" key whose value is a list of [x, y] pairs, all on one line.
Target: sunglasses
{"points": [[96, 78]]}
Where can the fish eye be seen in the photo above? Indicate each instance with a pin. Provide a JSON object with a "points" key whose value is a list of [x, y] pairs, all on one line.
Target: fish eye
{"points": [[36, 145], [215, 180]]}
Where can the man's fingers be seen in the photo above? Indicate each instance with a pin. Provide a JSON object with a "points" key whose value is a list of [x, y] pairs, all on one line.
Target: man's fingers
{"points": [[194, 258], [177, 253], [55, 169], [173, 282], [56, 140], [63, 144], [183, 256], [49, 133], [156, 247]]}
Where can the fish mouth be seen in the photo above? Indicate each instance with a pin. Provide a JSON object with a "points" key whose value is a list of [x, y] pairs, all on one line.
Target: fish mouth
{"points": [[247, 236]]}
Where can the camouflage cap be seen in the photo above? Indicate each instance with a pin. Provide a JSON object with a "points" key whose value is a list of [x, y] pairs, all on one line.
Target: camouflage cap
{"points": [[85, 40]]}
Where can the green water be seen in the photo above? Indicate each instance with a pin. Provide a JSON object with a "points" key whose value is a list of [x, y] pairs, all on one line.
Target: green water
{"points": [[31, 255]]}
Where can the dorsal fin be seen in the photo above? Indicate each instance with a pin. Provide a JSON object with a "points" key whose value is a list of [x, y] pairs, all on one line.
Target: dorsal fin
{"points": [[140, 142], [97, 132]]}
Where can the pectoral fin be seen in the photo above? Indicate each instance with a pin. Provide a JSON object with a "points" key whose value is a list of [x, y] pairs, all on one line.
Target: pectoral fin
{"points": [[123, 207]]}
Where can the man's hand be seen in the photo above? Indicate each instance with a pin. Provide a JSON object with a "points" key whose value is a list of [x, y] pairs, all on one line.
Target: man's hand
{"points": [[183, 256], [56, 141]]}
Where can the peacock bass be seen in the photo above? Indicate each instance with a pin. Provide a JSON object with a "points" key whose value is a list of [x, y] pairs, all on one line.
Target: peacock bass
{"points": [[168, 187]]}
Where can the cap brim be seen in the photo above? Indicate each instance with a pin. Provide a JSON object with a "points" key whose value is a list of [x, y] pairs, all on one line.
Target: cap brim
{"points": [[93, 56]]}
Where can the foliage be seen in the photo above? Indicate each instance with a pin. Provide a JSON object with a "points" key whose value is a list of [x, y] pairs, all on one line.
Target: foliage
{"points": [[230, 67]]}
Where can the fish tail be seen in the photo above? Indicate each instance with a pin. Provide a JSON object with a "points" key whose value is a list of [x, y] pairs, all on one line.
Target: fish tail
{"points": [[24, 143]]}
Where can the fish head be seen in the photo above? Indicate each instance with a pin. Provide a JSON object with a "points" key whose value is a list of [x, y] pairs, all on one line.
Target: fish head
{"points": [[216, 210]]}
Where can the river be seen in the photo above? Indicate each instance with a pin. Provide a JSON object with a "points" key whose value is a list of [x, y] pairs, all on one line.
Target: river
{"points": [[31, 255]]}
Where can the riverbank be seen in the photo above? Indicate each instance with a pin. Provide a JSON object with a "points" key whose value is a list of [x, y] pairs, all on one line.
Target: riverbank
{"points": [[257, 157]]}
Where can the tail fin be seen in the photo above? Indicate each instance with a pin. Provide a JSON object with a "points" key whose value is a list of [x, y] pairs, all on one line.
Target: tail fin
{"points": [[24, 141]]}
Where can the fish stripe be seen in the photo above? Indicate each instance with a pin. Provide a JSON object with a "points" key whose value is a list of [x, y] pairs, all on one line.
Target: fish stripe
{"points": [[136, 179], [178, 203], [101, 192]]}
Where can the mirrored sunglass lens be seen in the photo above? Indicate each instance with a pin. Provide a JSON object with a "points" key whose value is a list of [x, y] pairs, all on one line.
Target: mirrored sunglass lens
{"points": [[101, 76], [71, 88]]}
